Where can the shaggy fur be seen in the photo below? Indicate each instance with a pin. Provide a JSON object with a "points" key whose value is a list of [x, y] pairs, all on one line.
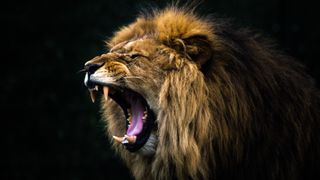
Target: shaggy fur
{"points": [[227, 104]]}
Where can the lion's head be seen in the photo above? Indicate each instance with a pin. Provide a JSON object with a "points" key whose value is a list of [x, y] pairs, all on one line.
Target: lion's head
{"points": [[185, 97]]}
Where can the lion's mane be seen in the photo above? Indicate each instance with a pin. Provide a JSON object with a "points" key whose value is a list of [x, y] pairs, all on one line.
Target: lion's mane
{"points": [[231, 106]]}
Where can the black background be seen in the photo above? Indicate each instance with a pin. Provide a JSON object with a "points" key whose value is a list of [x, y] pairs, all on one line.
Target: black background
{"points": [[50, 129]]}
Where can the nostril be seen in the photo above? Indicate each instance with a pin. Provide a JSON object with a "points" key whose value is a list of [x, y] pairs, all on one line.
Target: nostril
{"points": [[91, 68]]}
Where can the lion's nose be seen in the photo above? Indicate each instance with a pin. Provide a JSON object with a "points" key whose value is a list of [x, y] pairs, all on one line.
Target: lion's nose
{"points": [[92, 67]]}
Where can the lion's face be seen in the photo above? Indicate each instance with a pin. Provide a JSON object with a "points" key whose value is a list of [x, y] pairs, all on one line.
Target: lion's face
{"points": [[131, 74], [151, 74]]}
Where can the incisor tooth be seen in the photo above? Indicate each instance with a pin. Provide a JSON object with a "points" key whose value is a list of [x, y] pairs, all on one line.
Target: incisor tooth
{"points": [[131, 139], [92, 95], [105, 92]]}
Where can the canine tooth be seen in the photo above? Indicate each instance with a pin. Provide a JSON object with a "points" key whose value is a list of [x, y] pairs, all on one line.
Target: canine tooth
{"points": [[92, 95], [105, 92], [118, 139]]}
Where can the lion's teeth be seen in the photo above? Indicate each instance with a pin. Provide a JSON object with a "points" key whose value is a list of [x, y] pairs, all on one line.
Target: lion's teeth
{"points": [[129, 119], [96, 88], [118, 139], [144, 119], [93, 95], [105, 92], [144, 116], [130, 139], [126, 139]]}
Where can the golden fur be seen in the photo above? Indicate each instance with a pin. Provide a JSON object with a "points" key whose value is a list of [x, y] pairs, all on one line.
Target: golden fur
{"points": [[227, 105]]}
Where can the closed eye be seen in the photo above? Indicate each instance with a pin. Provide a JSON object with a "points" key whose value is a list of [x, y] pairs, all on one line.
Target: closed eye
{"points": [[133, 56], [136, 55], [130, 57]]}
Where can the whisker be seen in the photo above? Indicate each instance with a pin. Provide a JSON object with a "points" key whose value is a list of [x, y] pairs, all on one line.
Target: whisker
{"points": [[81, 70], [133, 77]]}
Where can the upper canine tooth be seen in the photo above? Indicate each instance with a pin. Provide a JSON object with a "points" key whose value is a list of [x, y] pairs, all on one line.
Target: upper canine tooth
{"points": [[105, 92], [93, 95]]}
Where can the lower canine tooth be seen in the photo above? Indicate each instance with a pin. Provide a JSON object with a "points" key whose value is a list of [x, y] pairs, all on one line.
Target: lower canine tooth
{"points": [[118, 139], [105, 92]]}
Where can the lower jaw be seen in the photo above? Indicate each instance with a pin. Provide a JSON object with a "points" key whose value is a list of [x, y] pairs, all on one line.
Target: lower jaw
{"points": [[149, 148]]}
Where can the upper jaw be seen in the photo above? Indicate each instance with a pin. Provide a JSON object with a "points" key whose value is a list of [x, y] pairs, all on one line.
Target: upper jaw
{"points": [[99, 78]]}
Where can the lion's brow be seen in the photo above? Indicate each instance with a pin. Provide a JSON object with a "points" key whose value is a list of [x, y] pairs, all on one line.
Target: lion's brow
{"points": [[118, 46]]}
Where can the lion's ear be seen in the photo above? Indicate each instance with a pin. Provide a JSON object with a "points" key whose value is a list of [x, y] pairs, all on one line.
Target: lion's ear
{"points": [[198, 48]]}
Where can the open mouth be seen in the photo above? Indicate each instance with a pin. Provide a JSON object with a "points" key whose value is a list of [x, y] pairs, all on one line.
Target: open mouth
{"points": [[139, 117]]}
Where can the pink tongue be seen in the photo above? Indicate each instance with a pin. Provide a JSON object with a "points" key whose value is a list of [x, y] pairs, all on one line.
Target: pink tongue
{"points": [[137, 113]]}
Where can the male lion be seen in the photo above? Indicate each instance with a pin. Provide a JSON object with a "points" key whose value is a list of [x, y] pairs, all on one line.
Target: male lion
{"points": [[194, 98]]}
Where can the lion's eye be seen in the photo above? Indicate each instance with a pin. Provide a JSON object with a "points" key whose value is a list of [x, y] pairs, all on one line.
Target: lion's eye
{"points": [[133, 56]]}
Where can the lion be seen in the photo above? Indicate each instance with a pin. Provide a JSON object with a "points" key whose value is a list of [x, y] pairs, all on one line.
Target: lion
{"points": [[190, 97]]}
